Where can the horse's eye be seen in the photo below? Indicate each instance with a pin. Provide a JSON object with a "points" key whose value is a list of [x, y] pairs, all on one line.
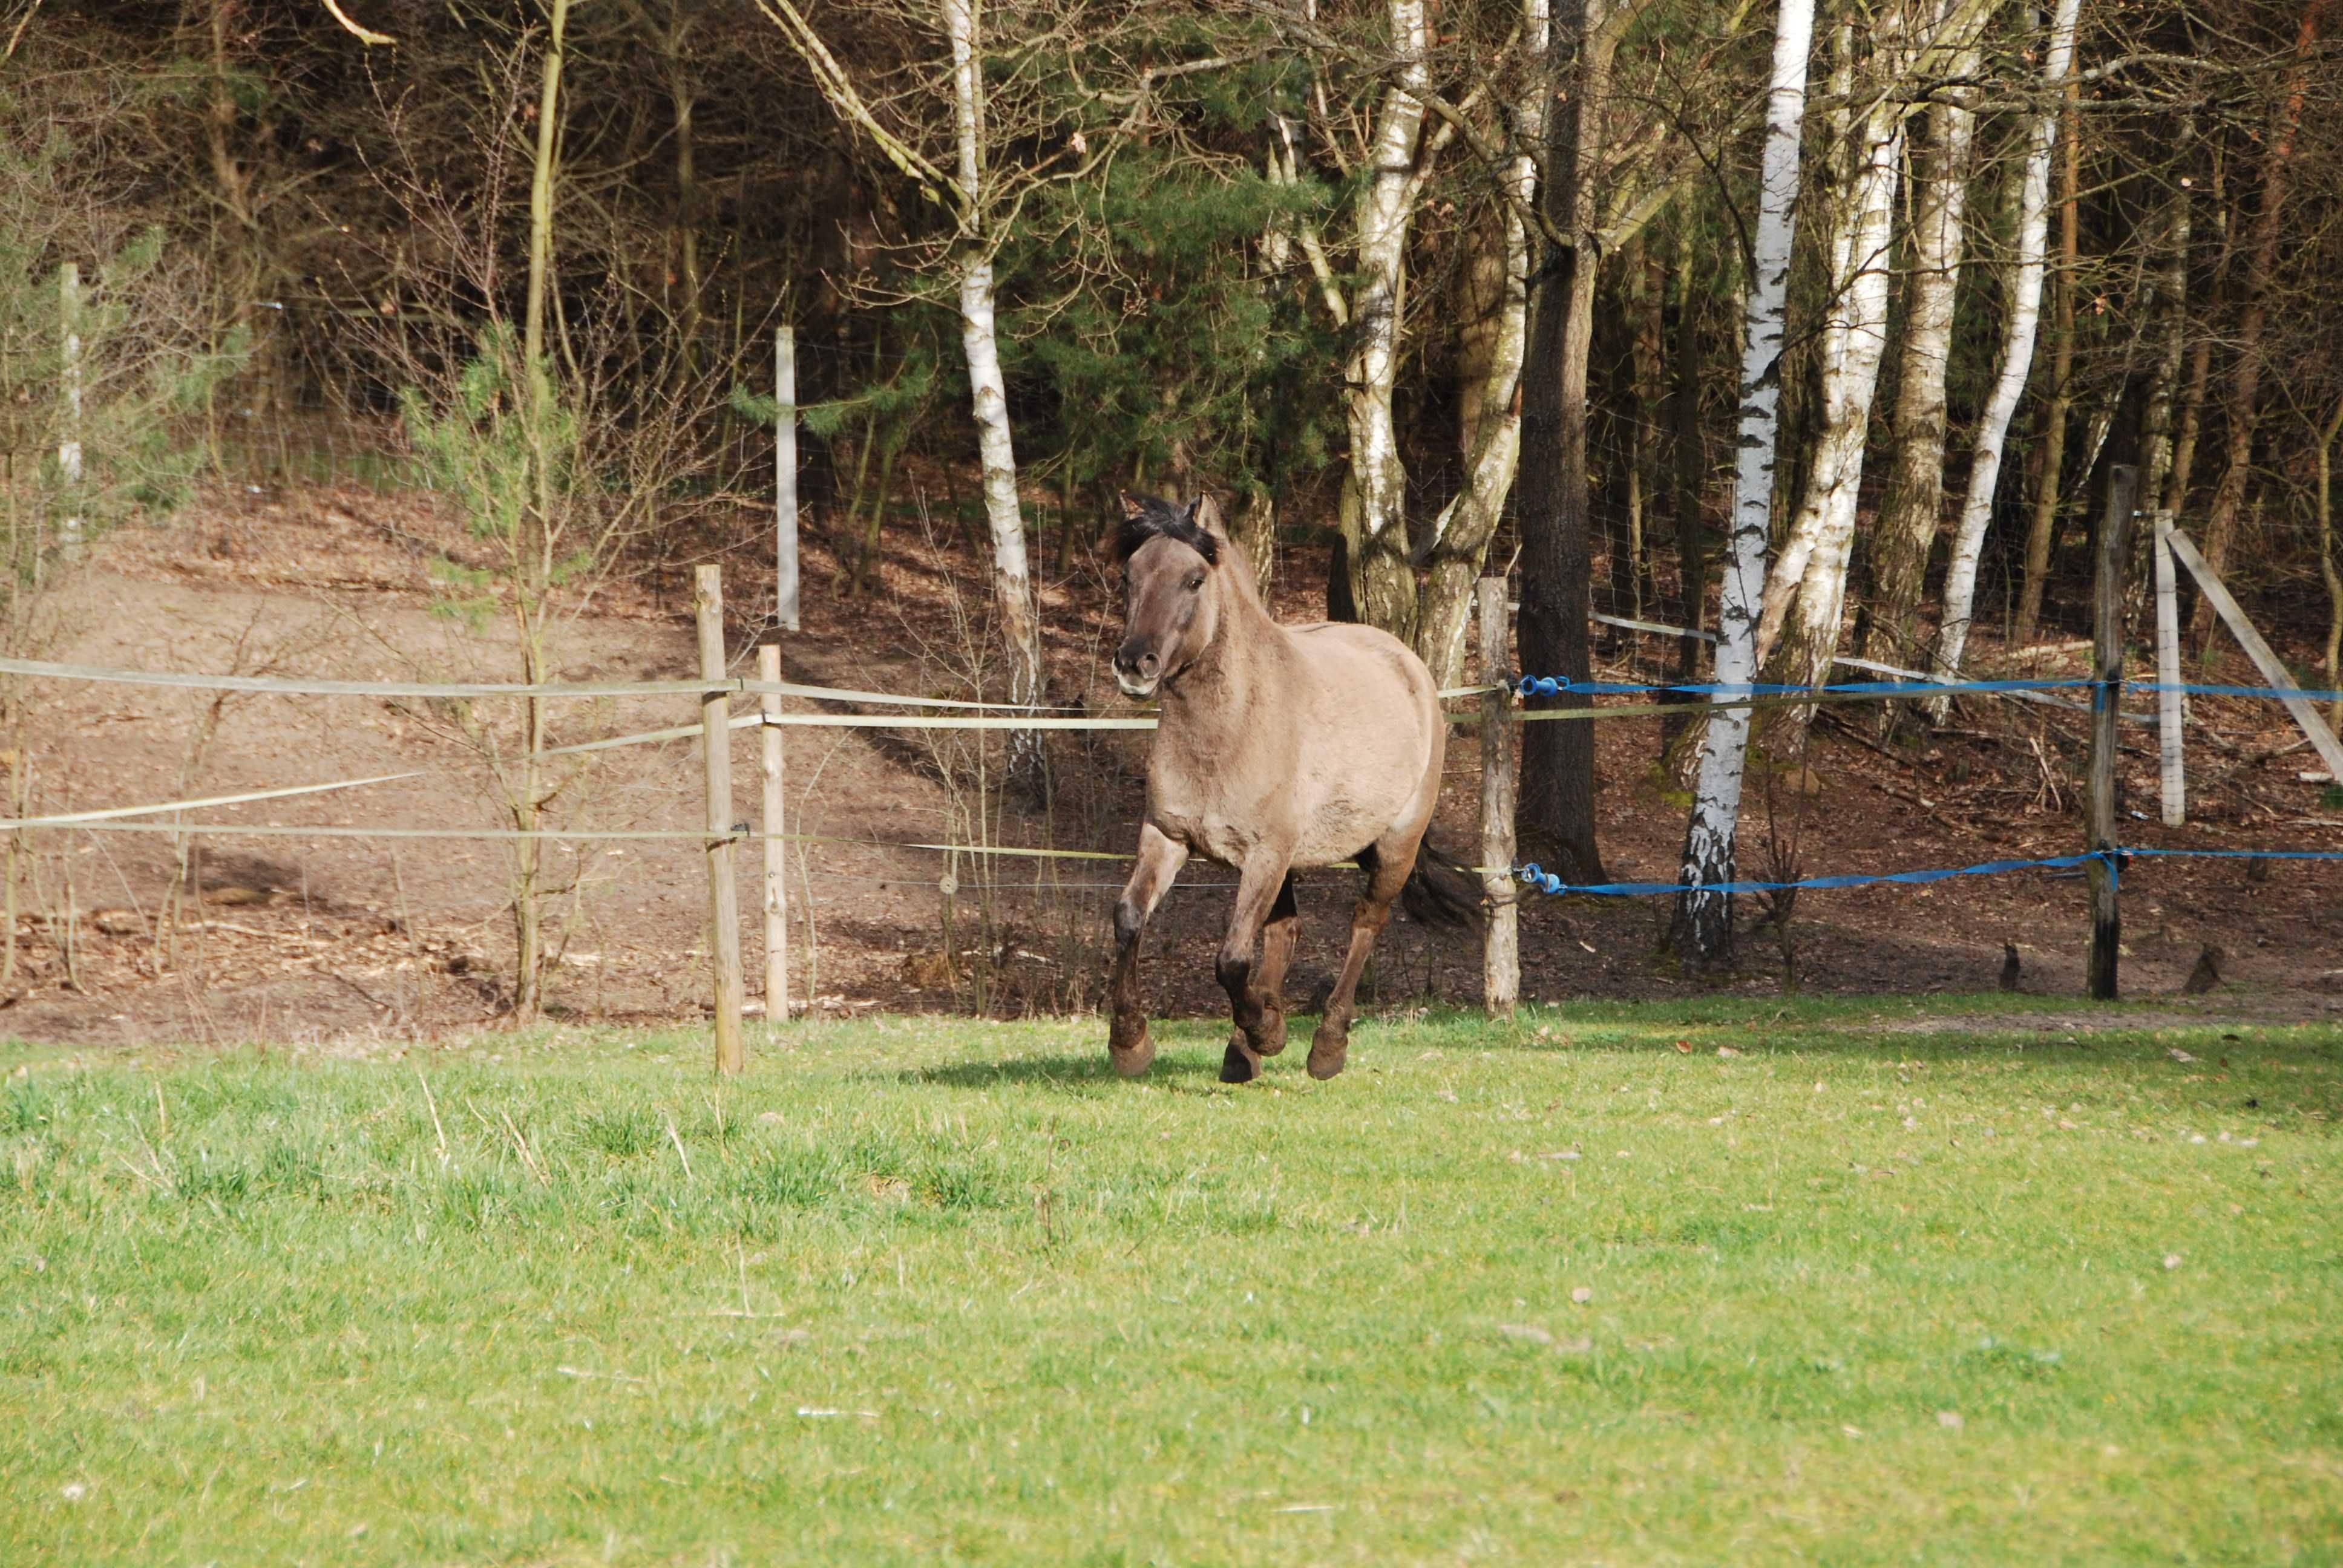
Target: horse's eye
{"points": [[1195, 582]]}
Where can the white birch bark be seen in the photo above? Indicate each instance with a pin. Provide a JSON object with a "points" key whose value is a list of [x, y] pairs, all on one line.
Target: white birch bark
{"points": [[1912, 511], [1807, 592], [1826, 518], [1381, 586], [1702, 929], [1012, 585], [2016, 356], [1469, 521]]}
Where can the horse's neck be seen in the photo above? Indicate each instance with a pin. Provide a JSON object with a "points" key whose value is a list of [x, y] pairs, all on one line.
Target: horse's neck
{"points": [[1236, 671]]}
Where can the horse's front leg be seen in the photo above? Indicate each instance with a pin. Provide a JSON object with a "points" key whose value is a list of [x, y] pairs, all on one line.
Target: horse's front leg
{"points": [[1259, 1017], [1128, 1046]]}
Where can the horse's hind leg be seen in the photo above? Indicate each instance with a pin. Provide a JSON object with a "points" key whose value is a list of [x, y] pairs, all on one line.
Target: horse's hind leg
{"points": [[1387, 866], [1258, 1012], [1128, 1045]]}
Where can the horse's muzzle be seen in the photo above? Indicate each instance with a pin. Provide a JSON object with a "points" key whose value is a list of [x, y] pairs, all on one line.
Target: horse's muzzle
{"points": [[1137, 672]]}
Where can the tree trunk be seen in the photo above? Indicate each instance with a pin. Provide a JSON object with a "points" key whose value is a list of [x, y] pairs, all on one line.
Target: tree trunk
{"points": [[533, 543], [2043, 528], [1701, 931], [1691, 479], [2017, 362], [1466, 525], [2200, 358], [2330, 570], [682, 101], [1373, 514], [1557, 794], [1012, 583], [1650, 295], [1805, 598], [1912, 510], [2244, 409]]}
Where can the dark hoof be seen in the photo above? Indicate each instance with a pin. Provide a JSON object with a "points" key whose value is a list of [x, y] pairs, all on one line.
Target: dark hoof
{"points": [[1240, 1065], [1134, 1059], [1327, 1053]]}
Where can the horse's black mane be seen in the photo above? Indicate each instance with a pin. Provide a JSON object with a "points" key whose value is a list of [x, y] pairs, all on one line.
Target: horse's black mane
{"points": [[1151, 517]]}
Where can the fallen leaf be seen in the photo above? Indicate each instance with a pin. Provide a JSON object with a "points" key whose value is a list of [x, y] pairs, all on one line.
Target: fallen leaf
{"points": [[1950, 1420], [1530, 1332], [2176, 1054], [2171, 1260], [1583, 1294]]}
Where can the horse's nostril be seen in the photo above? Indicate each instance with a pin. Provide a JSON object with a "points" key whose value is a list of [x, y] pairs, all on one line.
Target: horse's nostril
{"points": [[1148, 665]]}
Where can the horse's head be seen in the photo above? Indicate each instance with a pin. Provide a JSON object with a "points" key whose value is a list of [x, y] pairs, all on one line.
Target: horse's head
{"points": [[1170, 612]]}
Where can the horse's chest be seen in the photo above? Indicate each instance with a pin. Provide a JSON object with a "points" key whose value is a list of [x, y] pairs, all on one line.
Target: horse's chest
{"points": [[1206, 828]]}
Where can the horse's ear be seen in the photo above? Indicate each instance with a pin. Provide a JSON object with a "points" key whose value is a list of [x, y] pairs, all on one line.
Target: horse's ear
{"points": [[1204, 512], [1131, 507]]}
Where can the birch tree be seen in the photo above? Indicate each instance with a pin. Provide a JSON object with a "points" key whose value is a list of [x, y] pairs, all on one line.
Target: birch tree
{"points": [[2043, 524], [975, 198], [2016, 355], [1012, 583], [1702, 929], [1374, 488], [1806, 595]]}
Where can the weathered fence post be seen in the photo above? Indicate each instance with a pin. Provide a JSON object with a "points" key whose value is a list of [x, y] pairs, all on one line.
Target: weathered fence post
{"points": [[784, 479], [69, 454], [777, 858], [2168, 716], [1500, 954], [723, 896], [2107, 676]]}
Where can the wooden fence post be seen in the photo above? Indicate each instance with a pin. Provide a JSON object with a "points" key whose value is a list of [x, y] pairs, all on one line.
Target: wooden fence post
{"points": [[2168, 714], [2106, 673], [723, 896], [777, 858], [1500, 954], [784, 479]]}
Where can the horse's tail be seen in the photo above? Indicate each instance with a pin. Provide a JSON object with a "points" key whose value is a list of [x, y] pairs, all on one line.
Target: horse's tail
{"points": [[1442, 890]]}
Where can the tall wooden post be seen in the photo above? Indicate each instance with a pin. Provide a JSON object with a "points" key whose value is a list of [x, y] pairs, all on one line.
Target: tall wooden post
{"points": [[2168, 715], [1501, 953], [723, 896], [784, 479], [69, 454], [2106, 673], [777, 859]]}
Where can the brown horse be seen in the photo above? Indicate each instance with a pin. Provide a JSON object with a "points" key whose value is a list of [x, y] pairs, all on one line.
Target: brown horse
{"points": [[1281, 749]]}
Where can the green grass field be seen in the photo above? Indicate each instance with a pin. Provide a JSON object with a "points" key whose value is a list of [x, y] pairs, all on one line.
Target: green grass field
{"points": [[1580, 1289]]}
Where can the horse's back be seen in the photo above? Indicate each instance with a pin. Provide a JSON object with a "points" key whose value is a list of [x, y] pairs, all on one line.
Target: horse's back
{"points": [[1371, 738], [1366, 664]]}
